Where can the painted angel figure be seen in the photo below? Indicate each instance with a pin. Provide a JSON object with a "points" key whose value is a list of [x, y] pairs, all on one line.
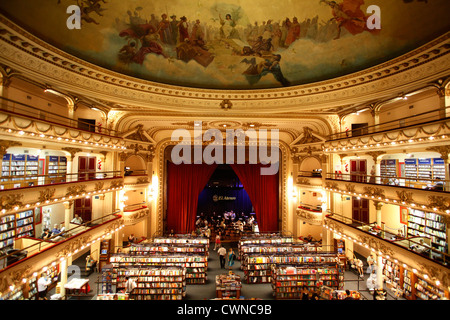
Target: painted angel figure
{"points": [[349, 15]]}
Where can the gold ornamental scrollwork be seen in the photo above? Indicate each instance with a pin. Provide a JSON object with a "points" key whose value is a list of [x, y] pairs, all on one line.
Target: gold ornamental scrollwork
{"points": [[46, 194], [76, 244], [10, 201], [14, 277], [350, 187], [314, 218], [404, 196], [376, 244], [439, 202], [99, 185], [116, 184], [75, 190], [436, 273], [373, 191]]}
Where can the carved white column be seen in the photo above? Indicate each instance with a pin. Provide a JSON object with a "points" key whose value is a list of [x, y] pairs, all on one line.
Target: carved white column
{"points": [[63, 270], [67, 213], [379, 271], [378, 206]]}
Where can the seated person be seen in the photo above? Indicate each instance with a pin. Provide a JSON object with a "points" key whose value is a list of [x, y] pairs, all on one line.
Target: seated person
{"points": [[438, 185], [77, 219], [46, 234], [55, 230], [90, 264]]}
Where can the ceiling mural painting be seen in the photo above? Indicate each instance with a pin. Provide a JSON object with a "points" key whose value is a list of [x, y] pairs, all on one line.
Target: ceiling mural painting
{"points": [[234, 44]]}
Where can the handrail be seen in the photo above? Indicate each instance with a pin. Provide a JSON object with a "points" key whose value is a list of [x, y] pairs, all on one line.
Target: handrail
{"points": [[409, 182], [70, 232], [6, 104], [316, 173], [388, 125], [54, 178], [413, 244], [135, 207]]}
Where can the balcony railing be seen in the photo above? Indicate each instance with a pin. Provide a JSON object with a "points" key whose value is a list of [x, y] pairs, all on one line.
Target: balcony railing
{"points": [[21, 109], [38, 245], [416, 182], [414, 244], [418, 119], [316, 173], [27, 181]]}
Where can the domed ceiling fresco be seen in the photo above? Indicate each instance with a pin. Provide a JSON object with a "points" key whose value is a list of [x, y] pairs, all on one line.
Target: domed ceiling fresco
{"points": [[232, 44]]}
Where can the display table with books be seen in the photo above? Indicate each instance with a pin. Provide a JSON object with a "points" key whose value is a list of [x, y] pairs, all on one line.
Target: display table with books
{"points": [[228, 286]]}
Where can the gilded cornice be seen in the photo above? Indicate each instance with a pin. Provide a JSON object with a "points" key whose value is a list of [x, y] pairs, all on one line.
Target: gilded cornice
{"points": [[24, 52]]}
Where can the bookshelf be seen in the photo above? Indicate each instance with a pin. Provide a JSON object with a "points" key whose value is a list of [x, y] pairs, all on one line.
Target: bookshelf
{"points": [[408, 284], [195, 266], [22, 170], [169, 248], [404, 282], [25, 224], [423, 170], [258, 268], [105, 251], [7, 231], [410, 170], [389, 168], [289, 282], [429, 225], [159, 284], [56, 168], [427, 291], [32, 291], [228, 286]]}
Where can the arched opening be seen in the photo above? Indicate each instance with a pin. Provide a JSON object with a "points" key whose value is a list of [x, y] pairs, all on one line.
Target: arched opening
{"points": [[184, 184]]}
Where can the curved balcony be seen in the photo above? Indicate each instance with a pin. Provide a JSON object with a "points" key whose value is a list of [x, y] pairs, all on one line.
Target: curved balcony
{"points": [[417, 129], [409, 252], [74, 186], [19, 120], [135, 213], [407, 192], [32, 254], [418, 245]]}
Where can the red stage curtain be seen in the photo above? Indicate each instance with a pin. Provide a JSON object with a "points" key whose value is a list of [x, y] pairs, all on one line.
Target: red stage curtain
{"points": [[263, 192], [184, 184]]}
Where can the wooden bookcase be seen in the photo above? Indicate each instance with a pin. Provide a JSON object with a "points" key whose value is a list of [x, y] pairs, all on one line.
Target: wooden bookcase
{"points": [[410, 285], [289, 282], [25, 167], [56, 169], [159, 284], [105, 252]]}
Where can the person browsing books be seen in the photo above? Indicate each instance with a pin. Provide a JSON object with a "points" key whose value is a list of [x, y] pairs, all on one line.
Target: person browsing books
{"points": [[222, 253]]}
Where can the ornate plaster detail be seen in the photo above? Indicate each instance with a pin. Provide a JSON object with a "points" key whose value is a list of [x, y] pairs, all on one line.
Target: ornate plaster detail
{"points": [[46, 194], [374, 191], [404, 196], [10, 201], [75, 190], [440, 202], [116, 184], [141, 180], [350, 187], [76, 244], [99, 185], [314, 218], [5, 144], [72, 151]]}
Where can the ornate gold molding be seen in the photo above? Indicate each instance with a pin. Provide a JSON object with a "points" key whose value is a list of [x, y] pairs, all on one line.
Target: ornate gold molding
{"points": [[11, 201], [46, 194], [75, 190]]}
